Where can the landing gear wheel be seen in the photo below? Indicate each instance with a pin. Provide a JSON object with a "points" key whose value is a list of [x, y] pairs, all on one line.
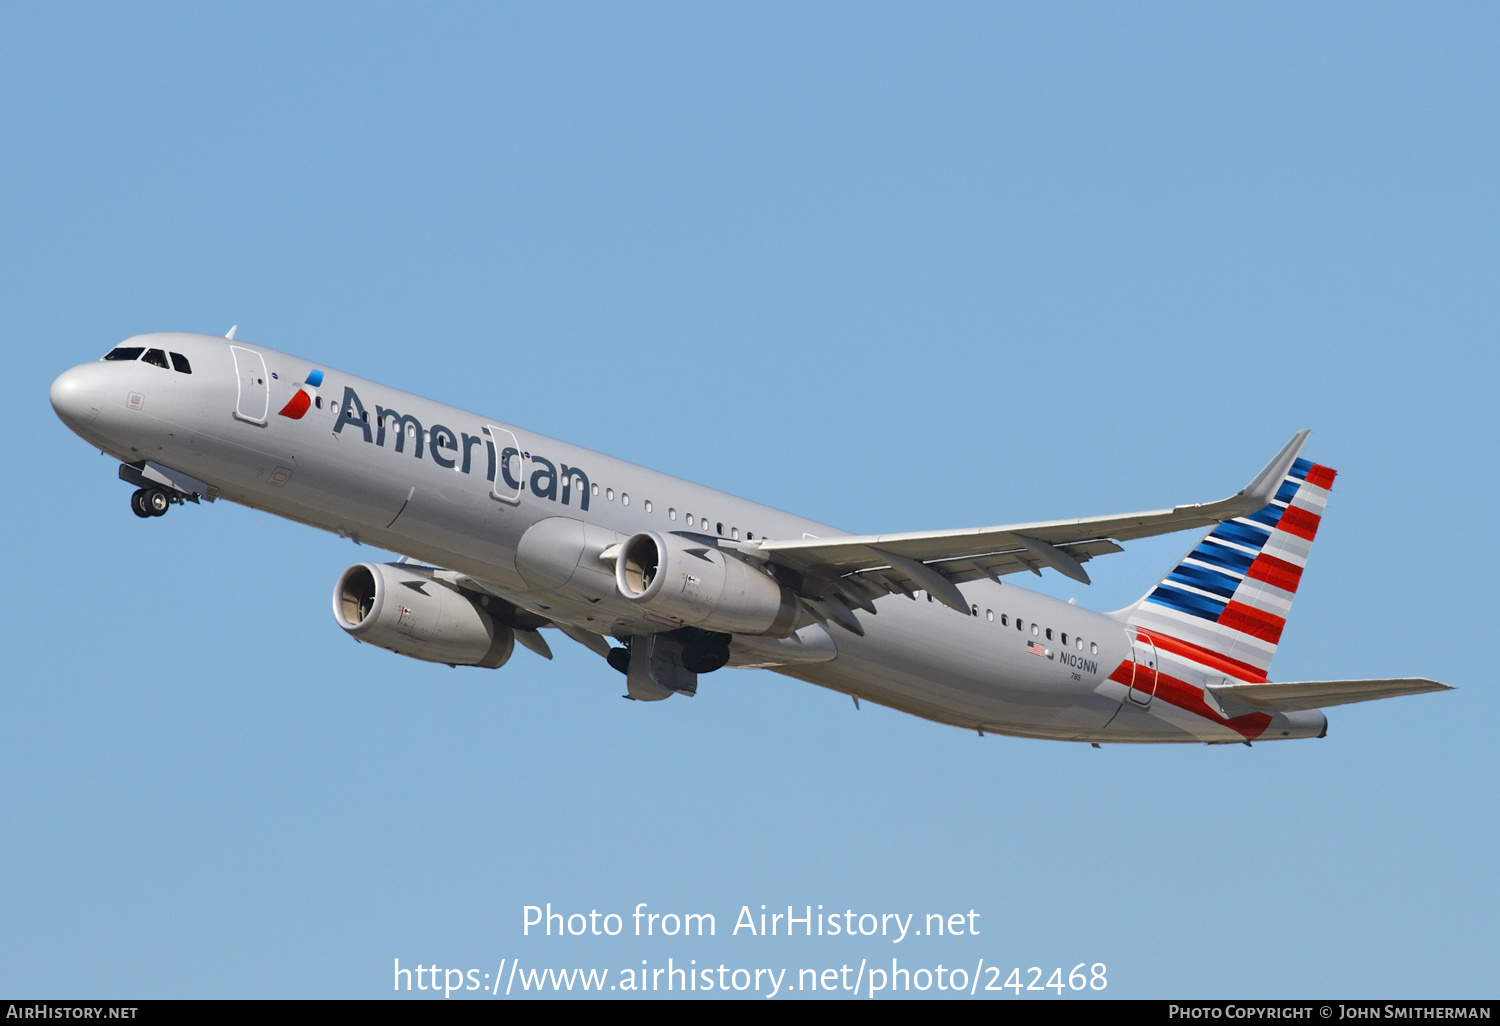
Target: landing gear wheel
{"points": [[138, 503], [157, 501]]}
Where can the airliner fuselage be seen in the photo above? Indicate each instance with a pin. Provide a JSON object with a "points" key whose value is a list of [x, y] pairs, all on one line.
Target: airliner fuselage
{"points": [[542, 529]]}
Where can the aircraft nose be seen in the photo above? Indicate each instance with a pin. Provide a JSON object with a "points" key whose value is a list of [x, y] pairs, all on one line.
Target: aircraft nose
{"points": [[78, 395]]}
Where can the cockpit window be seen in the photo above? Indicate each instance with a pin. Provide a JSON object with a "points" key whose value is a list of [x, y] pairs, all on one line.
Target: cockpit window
{"points": [[125, 353], [180, 363], [156, 358]]}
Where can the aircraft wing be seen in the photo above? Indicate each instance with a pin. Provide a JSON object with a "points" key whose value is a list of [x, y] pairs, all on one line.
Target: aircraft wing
{"points": [[1318, 694], [855, 570]]}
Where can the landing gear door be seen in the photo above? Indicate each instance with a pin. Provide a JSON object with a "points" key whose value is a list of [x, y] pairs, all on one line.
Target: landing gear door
{"points": [[1144, 659], [656, 669], [254, 399], [507, 467]]}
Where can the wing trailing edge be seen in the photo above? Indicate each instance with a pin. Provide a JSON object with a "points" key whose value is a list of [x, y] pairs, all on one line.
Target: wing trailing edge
{"points": [[852, 570]]}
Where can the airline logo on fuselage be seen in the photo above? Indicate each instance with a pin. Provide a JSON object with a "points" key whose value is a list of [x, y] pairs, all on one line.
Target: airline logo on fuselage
{"points": [[454, 450], [299, 403]]}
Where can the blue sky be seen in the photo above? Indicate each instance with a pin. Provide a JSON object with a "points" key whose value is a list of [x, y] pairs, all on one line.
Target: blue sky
{"points": [[892, 267]]}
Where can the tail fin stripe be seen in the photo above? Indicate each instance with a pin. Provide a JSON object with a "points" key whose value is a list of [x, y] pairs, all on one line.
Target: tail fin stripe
{"points": [[1266, 597], [1310, 497], [1300, 468], [1255, 622], [1321, 476], [1276, 572], [1212, 660], [1287, 490], [1288, 546], [1301, 522], [1187, 602], [1208, 551], [1241, 534], [1269, 515], [1207, 635], [1211, 581]]}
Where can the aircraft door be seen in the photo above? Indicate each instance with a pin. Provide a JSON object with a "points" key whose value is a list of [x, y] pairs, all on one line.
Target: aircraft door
{"points": [[1143, 657], [509, 466], [254, 400]]}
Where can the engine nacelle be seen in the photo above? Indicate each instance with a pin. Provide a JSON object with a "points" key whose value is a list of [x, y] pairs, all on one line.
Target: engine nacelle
{"points": [[393, 608], [703, 586]]}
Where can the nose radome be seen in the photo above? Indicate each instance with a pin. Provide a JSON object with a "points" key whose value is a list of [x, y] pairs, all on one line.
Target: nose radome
{"points": [[78, 394]]}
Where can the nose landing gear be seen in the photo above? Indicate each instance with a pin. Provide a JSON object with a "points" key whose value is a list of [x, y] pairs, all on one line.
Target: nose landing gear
{"points": [[151, 502], [159, 488]]}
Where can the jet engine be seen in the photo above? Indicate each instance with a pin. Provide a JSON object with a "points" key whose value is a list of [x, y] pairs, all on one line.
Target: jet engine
{"points": [[703, 586], [391, 607]]}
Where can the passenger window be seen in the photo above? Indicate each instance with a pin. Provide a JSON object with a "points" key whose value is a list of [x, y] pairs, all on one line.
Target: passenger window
{"points": [[318, 402], [1033, 628], [625, 498], [1093, 648], [648, 505], [1049, 633], [596, 489], [1079, 644], [125, 353], [1003, 621], [734, 532], [1019, 625], [156, 358], [672, 513], [689, 519], [973, 610], [180, 364], [1065, 639], [989, 614], [749, 535], [609, 493], [721, 527]]}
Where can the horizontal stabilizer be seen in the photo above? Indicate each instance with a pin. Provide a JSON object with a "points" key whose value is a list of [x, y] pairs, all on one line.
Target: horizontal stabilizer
{"points": [[1318, 694]]}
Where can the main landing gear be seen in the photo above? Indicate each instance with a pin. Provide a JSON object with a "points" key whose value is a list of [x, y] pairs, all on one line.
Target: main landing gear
{"points": [[151, 502], [702, 651]]}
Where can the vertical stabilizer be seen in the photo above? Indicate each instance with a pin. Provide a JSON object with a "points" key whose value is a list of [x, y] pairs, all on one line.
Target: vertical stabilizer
{"points": [[1224, 605]]}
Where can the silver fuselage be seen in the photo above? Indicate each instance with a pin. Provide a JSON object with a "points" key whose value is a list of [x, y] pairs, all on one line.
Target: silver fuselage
{"points": [[342, 472]]}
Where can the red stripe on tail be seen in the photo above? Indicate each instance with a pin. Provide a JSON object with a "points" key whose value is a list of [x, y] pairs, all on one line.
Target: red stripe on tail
{"points": [[1321, 476], [1278, 573], [1255, 622], [1300, 522]]}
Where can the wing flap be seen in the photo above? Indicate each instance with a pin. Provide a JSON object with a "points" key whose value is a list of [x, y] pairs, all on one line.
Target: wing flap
{"points": [[1318, 694]]}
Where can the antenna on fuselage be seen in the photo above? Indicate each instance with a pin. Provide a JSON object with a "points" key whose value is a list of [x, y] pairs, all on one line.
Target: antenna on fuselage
{"points": [[230, 333]]}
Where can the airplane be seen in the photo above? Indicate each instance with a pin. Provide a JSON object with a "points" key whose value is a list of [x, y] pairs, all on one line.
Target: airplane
{"points": [[502, 532]]}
